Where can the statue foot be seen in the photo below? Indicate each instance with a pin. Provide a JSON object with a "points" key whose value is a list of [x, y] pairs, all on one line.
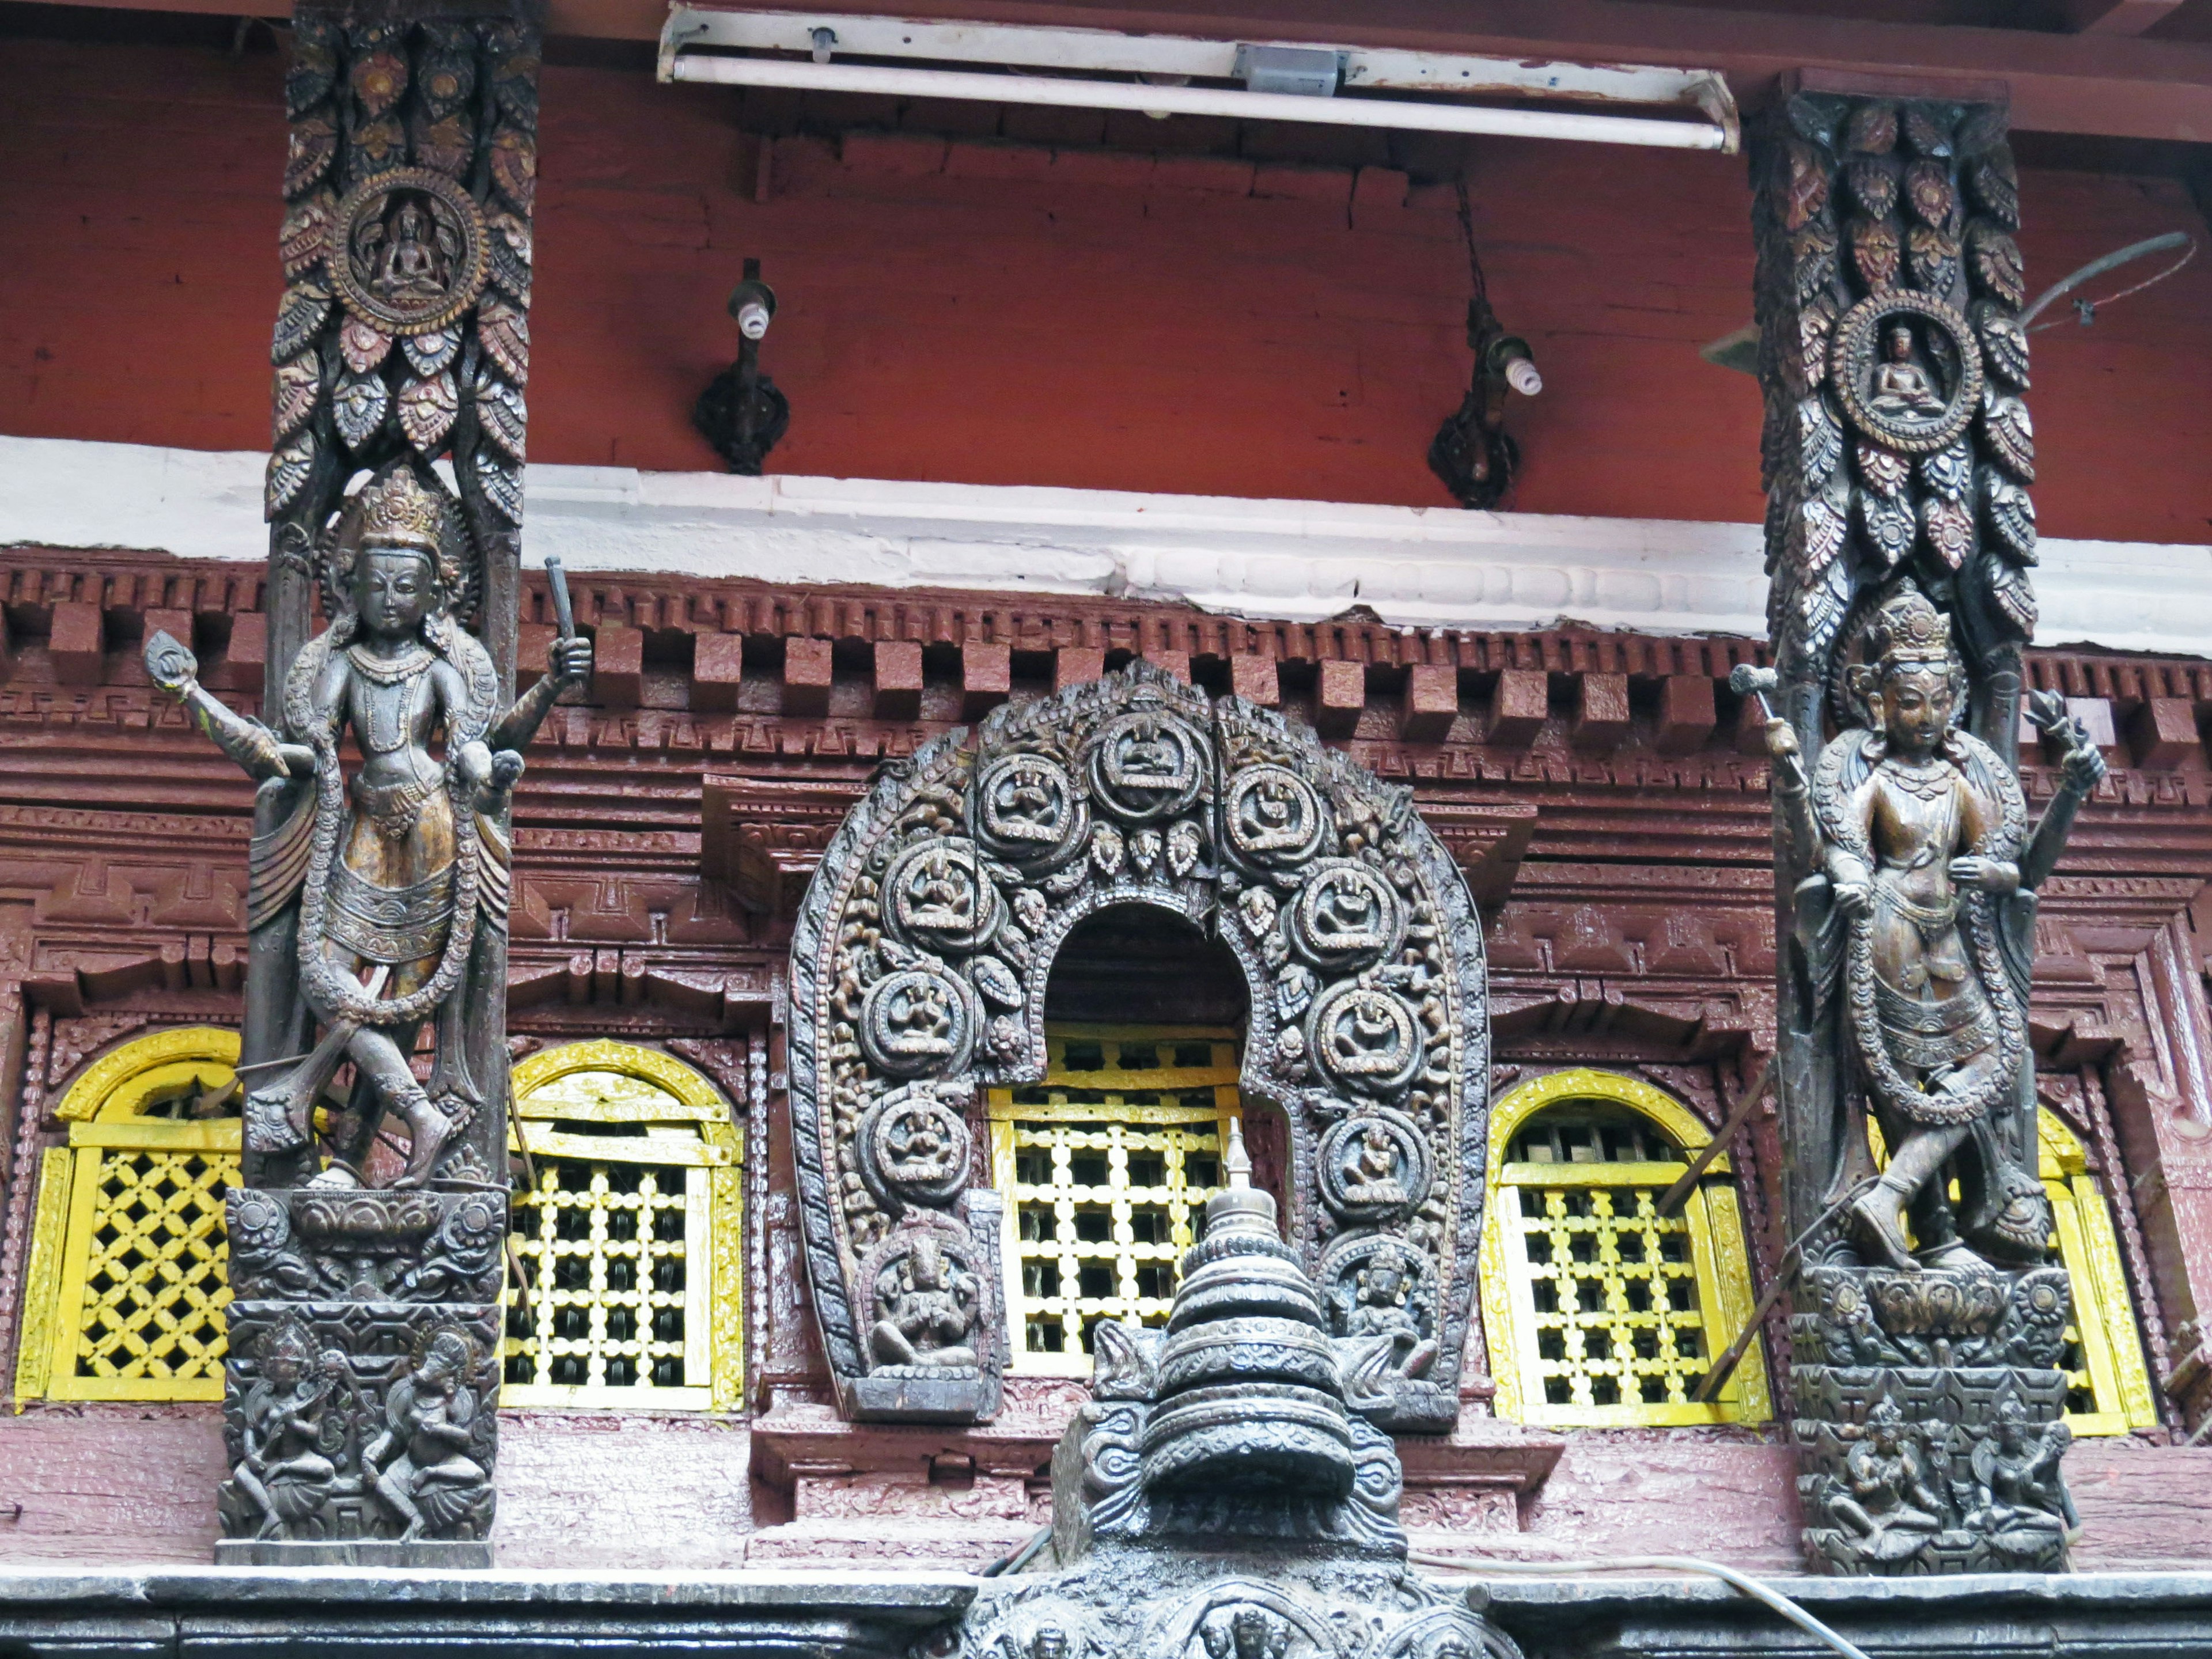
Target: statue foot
{"points": [[429, 1129], [1878, 1226], [1953, 1257], [338, 1177]]}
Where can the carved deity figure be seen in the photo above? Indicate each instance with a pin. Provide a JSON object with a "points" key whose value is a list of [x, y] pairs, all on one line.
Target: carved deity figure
{"points": [[1382, 1294], [1370, 1173], [368, 894], [290, 1438], [420, 1462], [927, 1303], [411, 255], [1923, 911], [1249, 1631], [921, 1151], [1886, 1498], [2021, 1503], [1902, 386]]}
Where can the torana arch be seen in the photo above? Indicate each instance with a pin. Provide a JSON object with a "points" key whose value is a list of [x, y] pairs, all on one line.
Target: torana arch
{"points": [[918, 972]]}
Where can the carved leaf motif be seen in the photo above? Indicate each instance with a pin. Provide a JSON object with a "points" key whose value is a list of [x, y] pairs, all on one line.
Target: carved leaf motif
{"points": [[446, 73], [1928, 187], [1997, 265], [505, 421], [1890, 527], [359, 405], [299, 317], [1949, 472], [446, 144], [504, 329], [514, 165], [1927, 135], [434, 353], [1873, 187], [379, 146], [300, 243], [1875, 252], [1933, 258], [289, 463], [1811, 602], [514, 72], [2009, 587], [1295, 986], [1816, 321], [1807, 193], [362, 345], [380, 77], [1145, 849], [2010, 433], [1994, 186], [427, 408], [314, 67], [1106, 850], [1820, 441], [2004, 342], [309, 147], [1873, 129], [1949, 527], [996, 980], [502, 482], [1886, 472], [1813, 253], [2009, 511], [1185, 843], [292, 400]]}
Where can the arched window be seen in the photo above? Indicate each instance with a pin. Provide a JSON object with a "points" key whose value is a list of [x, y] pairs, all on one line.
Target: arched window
{"points": [[128, 1272], [1106, 1167], [1601, 1312], [628, 1223]]}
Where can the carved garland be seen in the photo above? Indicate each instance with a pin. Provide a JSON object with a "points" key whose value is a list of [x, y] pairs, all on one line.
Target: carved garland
{"points": [[918, 966]]}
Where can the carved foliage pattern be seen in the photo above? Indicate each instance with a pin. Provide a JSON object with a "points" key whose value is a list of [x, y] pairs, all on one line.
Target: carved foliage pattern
{"points": [[921, 956]]}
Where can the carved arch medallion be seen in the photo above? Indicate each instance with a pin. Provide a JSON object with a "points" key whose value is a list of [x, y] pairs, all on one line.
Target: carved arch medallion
{"points": [[919, 965]]}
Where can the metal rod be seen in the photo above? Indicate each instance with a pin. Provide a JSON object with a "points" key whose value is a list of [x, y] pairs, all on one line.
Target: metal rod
{"points": [[2111, 261], [1718, 1144], [1396, 114], [557, 579]]}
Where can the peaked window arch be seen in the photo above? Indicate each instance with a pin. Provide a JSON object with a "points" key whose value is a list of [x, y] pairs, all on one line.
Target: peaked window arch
{"points": [[1601, 1312], [129, 1270]]}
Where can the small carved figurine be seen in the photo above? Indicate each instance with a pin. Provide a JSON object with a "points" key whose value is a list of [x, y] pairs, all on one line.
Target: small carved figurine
{"points": [[290, 1438], [927, 1303], [1901, 385], [420, 1462], [1888, 1503], [1382, 1292], [2022, 1504], [392, 873]]}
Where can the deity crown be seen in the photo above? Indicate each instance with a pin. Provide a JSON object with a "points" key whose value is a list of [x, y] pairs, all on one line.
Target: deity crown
{"points": [[400, 512], [1909, 629]]}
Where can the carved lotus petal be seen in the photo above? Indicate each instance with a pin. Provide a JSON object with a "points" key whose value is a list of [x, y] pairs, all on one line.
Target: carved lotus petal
{"points": [[1929, 192], [1949, 472], [1932, 257], [1295, 986], [504, 329], [1875, 252], [1807, 194], [1885, 471], [1145, 849], [1890, 525], [1999, 267], [1949, 528], [501, 482], [1927, 135], [314, 67], [1813, 255], [299, 383], [446, 144], [1186, 843], [514, 165], [1873, 187], [358, 406], [2008, 588], [2009, 512], [1030, 908], [433, 353], [289, 466], [299, 318], [505, 421], [1873, 130], [1820, 441], [379, 146], [1994, 186], [307, 224], [2004, 342], [2010, 433], [311, 144]]}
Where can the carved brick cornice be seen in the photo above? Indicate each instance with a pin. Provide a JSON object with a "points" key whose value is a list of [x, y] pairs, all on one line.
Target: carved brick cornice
{"points": [[765, 836]]}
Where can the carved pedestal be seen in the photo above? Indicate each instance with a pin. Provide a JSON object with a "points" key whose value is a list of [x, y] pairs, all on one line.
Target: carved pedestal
{"points": [[359, 1404]]}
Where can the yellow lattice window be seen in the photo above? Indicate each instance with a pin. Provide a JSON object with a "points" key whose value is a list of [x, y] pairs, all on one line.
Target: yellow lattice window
{"points": [[1106, 1166], [1602, 1312], [128, 1272], [628, 1225]]}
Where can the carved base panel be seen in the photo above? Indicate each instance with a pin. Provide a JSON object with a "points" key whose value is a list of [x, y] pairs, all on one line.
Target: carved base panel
{"points": [[1918, 1470], [460, 1556], [347, 1424]]}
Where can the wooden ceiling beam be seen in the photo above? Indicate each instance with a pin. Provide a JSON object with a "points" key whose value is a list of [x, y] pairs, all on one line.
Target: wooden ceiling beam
{"points": [[2102, 82], [2118, 17]]}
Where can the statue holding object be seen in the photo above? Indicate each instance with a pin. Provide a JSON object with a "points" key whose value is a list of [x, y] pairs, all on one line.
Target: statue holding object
{"points": [[380, 883]]}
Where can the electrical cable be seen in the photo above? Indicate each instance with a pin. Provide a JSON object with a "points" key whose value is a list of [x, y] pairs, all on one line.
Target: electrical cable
{"points": [[1742, 1583], [1015, 1559]]}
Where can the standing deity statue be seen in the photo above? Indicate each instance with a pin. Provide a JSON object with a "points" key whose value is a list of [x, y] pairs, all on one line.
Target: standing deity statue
{"points": [[368, 895], [1920, 918]]}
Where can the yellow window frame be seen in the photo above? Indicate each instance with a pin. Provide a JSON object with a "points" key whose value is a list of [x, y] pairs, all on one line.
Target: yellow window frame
{"points": [[688, 1126], [1527, 1199], [173, 1349], [1174, 1130]]}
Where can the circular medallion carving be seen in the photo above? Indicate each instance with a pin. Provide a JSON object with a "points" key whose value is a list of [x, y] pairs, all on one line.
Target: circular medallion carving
{"points": [[1348, 915], [1029, 810], [1273, 817], [1906, 369], [1364, 1039], [918, 1020], [406, 251], [1374, 1167], [935, 896], [1147, 765], [914, 1146]]}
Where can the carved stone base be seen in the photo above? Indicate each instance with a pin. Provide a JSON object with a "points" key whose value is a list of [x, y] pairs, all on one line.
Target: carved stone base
{"points": [[473, 1555], [918, 1393]]}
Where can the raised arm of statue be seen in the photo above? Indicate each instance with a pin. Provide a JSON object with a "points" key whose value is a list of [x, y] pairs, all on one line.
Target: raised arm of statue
{"points": [[256, 748], [2080, 771], [568, 662]]}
